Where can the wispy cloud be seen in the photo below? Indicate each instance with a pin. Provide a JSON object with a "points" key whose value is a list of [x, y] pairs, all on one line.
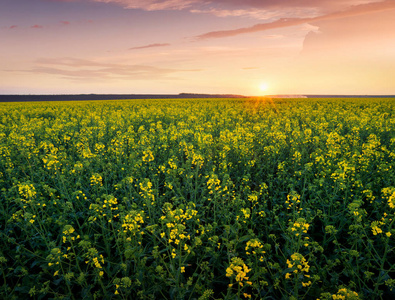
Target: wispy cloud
{"points": [[258, 27], [194, 4], [73, 68], [287, 22], [257, 9], [258, 13], [274, 36], [38, 26], [150, 46], [154, 4], [252, 8]]}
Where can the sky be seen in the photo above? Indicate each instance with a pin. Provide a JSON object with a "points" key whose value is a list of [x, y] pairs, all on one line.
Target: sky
{"points": [[245, 47]]}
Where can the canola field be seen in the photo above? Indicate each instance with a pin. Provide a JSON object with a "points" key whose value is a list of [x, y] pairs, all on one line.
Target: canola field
{"points": [[198, 199]]}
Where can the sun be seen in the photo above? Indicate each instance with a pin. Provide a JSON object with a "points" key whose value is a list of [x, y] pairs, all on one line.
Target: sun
{"points": [[263, 87]]}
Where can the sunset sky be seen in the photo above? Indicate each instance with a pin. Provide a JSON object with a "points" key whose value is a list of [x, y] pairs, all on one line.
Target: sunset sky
{"points": [[249, 47]]}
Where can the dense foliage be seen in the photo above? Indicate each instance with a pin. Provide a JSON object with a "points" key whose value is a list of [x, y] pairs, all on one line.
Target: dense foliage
{"points": [[198, 199]]}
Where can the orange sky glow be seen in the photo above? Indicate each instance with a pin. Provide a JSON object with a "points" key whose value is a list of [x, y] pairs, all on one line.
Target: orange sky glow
{"points": [[248, 47]]}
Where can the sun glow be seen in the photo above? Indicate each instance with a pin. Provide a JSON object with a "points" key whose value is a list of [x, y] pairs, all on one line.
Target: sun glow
{"points": [[263, 87]]}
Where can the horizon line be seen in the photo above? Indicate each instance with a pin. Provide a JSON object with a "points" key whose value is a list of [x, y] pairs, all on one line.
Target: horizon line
{"points": [[193, 94]]}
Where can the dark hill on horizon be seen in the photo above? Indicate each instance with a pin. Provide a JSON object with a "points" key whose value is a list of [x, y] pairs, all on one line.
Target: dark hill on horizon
{"points": [[82, 97], [87, 97]]}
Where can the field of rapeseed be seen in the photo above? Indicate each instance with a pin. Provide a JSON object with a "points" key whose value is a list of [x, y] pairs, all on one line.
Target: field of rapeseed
{"points": [[198, 199]]}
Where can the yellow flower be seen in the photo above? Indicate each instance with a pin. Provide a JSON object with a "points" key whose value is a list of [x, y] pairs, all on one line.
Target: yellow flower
{"points": [[96, 179], [238, 268], [27, 190], [375, 227], [148, 156], [306, 284], [376, 230], [391, 200], [345, 294]]}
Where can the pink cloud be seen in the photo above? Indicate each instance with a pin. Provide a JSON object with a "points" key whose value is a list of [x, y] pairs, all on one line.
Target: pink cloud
{"points": [[36, 26], [154, 4], [13, 27], [287, 22], [323, 4], [256, 9], [257, 13], [217, 5], [347, 36], [65, 22], [259, 27], [149, 46]]}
